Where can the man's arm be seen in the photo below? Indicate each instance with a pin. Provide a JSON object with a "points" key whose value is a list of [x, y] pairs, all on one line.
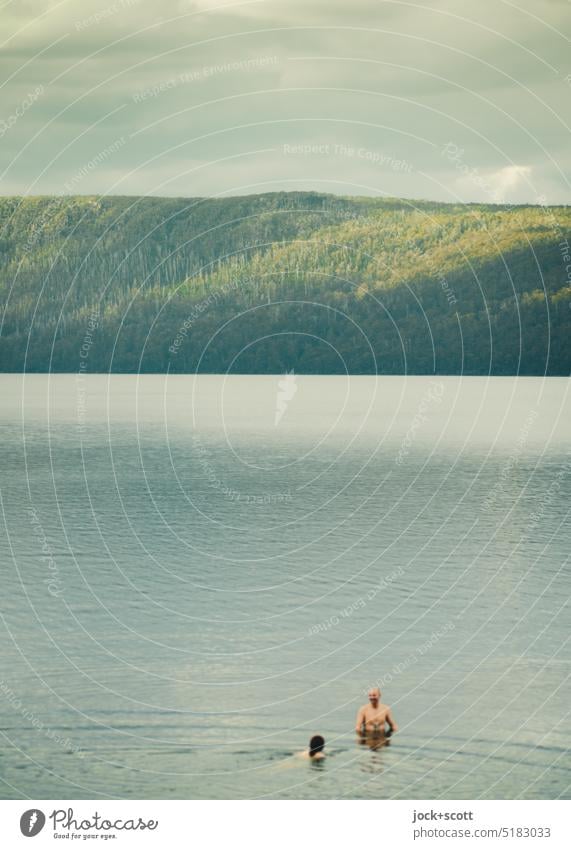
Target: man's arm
{"points": [[391, 721], [360, 720]]}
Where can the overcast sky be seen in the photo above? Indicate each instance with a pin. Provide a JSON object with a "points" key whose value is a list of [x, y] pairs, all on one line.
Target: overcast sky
{"points": [[444, 100]]}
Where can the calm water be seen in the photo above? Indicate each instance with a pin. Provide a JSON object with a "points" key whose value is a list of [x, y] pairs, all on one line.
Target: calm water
{"points": [[198, 574]]}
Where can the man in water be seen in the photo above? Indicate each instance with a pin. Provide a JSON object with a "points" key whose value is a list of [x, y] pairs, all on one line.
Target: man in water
{"points": [[374, 717]]}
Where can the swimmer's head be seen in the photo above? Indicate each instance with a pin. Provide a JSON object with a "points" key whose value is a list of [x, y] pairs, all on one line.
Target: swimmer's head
{"points": [[316, 745], [374, 696]]}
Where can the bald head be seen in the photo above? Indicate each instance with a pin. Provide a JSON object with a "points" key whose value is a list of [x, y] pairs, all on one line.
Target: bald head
{"points": [[374, 696]]}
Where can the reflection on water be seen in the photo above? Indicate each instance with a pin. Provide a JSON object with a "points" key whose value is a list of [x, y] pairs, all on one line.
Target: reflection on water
{"points": [[374, 742], [192, 589]]}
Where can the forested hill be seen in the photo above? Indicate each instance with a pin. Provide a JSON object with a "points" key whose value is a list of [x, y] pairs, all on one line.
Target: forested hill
{"points": [[274, 282]]}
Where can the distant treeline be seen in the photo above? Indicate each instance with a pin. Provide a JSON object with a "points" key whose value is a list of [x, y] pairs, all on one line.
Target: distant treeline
{"points": [[280, 281]]}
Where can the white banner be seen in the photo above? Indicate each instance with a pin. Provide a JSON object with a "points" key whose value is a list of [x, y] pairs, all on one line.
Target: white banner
{"points": [[286, 824]]}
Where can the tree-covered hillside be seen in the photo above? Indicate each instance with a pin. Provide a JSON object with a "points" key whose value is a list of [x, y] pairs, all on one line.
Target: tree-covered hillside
{"points": [[275, 282]]}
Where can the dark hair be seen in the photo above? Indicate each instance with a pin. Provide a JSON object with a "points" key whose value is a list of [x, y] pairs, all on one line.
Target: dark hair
{"points": [[316, 745]]}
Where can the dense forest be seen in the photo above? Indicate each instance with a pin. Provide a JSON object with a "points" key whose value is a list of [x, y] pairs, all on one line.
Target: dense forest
{"points": [[280, 281]]}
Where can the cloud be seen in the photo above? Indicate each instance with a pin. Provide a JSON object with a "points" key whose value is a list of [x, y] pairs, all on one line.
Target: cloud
{"points": [[388, 77], [506, 180]]}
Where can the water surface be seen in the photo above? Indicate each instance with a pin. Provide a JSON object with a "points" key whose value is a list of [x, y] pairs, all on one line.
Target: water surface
{"points": [[200, 573]]}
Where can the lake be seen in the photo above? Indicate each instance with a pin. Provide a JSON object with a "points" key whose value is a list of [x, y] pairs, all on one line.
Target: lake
{"points": [[199, 573]]}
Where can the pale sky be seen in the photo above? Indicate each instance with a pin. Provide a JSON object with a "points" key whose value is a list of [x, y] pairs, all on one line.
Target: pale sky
{"points": [[443, 100]]}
